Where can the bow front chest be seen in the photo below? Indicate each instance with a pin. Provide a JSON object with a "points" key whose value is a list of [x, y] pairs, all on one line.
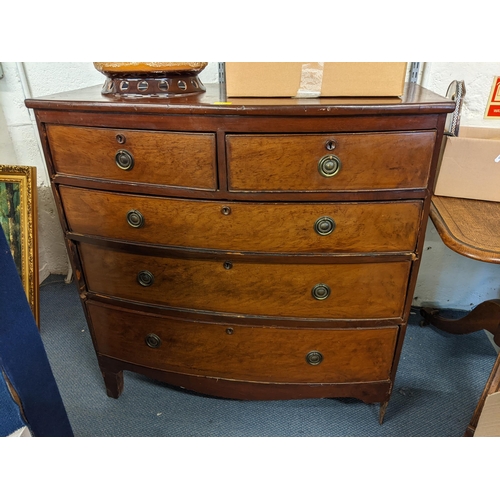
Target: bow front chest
{"points": [[257, 249]]}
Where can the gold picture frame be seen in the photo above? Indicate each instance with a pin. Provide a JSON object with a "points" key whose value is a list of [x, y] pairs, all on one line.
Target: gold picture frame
{"points": [[19, 223]]}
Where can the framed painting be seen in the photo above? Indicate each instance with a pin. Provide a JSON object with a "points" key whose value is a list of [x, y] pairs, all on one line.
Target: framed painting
{"points": [[19, 223]]}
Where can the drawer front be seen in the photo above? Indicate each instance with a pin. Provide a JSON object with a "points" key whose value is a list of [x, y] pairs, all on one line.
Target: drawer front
{"points": [[360, 161], [252, 227], [165, 158], [357, 290], [247, 353]]}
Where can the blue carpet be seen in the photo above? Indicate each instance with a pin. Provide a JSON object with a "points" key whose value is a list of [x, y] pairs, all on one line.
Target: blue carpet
{"points": [[439, 382]]}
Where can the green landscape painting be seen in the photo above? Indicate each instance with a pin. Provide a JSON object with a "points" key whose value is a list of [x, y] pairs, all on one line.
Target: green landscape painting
{"points": [[10, 219]]}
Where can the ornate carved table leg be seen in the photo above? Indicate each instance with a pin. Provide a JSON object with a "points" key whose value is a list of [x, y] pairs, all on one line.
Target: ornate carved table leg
{"points": [[486, 316]]}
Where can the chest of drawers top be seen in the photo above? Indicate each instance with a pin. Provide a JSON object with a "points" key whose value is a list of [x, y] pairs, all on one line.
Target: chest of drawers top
{"points": [[415, 100]]}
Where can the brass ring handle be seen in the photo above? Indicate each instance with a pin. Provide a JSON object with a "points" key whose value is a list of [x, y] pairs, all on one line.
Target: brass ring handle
{"points": [[124, 159], [314, 358], [135, 218], [321, 291], [152, 341], [329, 165], [145, 278], [324, 226]]}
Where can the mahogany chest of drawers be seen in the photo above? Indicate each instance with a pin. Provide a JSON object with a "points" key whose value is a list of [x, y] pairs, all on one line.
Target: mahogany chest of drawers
{"points": [[258, 249]]}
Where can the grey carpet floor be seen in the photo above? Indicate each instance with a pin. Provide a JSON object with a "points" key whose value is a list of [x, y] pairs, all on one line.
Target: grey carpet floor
{"points": [[439, 381]]}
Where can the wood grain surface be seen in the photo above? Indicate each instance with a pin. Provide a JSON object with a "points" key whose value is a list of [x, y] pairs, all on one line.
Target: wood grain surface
{"points": [[250, 227], [290, 162], [166, 158], [469, 227], [247, 353], [358, 290]]}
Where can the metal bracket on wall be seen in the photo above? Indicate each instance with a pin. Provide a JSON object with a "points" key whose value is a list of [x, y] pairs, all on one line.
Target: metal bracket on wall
{"points": [[415, 66], [222, 82], [222, 72]]}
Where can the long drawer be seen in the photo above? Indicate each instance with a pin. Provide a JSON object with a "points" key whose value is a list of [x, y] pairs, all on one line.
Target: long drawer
{"points": [[150, 157], [245, 226], [243, 352], [341, 291], [334, 162]]}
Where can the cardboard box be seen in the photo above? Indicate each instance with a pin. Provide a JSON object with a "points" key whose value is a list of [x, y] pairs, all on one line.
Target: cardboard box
{"points": [[470, 165], [313, 79], [489, 421]]}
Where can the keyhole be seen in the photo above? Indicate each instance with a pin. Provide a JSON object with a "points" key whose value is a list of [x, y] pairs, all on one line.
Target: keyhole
{"points": [[330, 145]]}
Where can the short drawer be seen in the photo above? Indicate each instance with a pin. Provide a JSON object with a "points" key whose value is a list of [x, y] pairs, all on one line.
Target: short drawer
{"points": [[163, 158], [334, 162], [245, 226], [243, 352], [341, 291]]}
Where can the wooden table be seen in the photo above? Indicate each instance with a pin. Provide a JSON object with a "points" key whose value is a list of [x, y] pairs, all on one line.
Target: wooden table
{"points": [[470, 228]]}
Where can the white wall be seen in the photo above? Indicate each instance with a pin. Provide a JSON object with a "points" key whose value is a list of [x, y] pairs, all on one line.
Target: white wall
{"points": [[445, 280]]}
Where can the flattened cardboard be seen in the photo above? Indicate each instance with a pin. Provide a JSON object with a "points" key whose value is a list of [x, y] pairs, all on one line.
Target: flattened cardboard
{"points": [[346, 79], [489, 421], [470, 165]]}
